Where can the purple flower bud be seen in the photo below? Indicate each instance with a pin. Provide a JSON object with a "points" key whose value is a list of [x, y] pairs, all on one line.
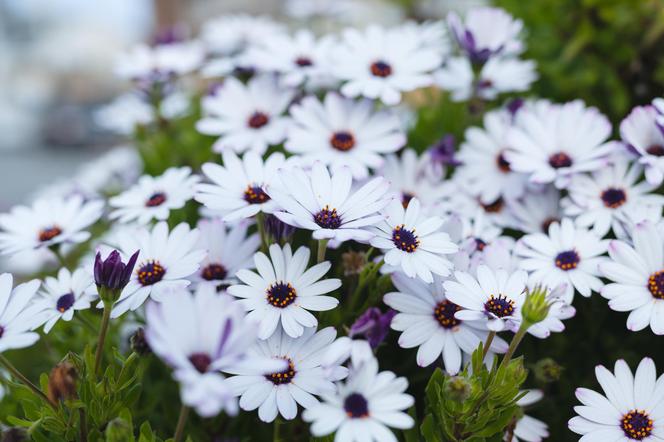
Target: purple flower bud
{"points": [[112, 273], [373, 325], [442, 153], [276, 229]]}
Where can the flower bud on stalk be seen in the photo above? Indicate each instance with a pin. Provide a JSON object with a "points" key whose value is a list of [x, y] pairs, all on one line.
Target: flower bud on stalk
{"points": [[536, 307], [457, 388], [112, 275]]}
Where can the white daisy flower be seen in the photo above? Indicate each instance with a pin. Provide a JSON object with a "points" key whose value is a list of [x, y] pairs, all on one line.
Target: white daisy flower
{"points": [[605, 197], [17, 319], [528, 428], [327, 205], [233, 33], [283, 292], [638, 275], [343, 132], [568, 255], [165, 262], [238, 188], [61, 296], [629, 410], [536, 210], [124, 114], [646, 138], [413, 241], [363, 407], [154, 197], [199, 336], [143, 61], [381, 64], [47, 223], [246, 117], [299, 382], [552, 142], [229, 249], [427, 319], [484, 168], [494, 296]]}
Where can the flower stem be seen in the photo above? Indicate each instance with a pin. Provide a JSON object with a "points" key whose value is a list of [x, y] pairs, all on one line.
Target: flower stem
{"points": [[18, 375], [516, 340], [82, 425], [61, 259], [276, 435], [322, 246], [260, 218], [487, 344], [182, 421], [106, 318]]}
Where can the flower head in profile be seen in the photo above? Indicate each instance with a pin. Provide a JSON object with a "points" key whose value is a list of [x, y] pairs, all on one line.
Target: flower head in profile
{"points": [[17, 318], [373, 325], [283, 291], [143, 62], [642, 133], [527, 428]]}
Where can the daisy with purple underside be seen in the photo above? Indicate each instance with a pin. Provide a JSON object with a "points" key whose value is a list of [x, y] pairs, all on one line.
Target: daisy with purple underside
{"points": [[642, 133], [528, 428], [17, 319]]}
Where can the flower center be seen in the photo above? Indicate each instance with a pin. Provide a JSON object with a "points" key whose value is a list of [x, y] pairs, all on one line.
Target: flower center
{"points": [[444, 314], [342, 140], [381, 69], [499, 306], [150, 273], [502, 163], [258, 120], [405, 198], [214, 272], [547, 223], [200, 361], [480, 244], [281, 294], [303, 61], [255, 195], [49, 233], [656, 284], [560, 159], [567, 260], [656, 150], [65, 302], [328, 219], [494, 207], [405, 239], [283, 377], [636, 425], [156, 200], [356, 406], [614, 198]]}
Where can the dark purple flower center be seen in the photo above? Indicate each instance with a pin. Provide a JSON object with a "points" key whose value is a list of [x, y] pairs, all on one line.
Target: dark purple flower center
{"points": [[2, 331], [65, 302], [636, 425], [559, 160], [614, 197], [150, 273], [656, 284], [258, 120], [444, 314], [480, 244], [156, 200], [405, 239], [281, 294], [214, 272], [656, 150], [381, 69], [502, 163], [567, 260], [494, 207], [356, 406], [303, 61], [328, 219], [255, 195], [499, 306], [283, 377], [200, 361], [405, 198], [342, 140], [49, 233]]}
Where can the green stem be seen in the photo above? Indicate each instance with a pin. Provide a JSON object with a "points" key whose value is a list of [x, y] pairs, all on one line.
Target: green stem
{"points": [[61, 259], [260, 218], [487, 344], [182, 421], [276, 435], [18, 375], [516, 340], [322, 246], [105, 321], [82, 425]]}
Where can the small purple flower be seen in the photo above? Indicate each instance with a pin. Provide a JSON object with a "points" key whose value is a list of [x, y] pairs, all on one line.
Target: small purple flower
{"points": [[373, 325], [467, 42], [112, 273], [276, 229], [442, 153]]}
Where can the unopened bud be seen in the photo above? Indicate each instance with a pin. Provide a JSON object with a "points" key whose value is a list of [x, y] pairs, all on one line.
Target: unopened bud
{"points": [[547, 370], [457, 388], [536, 307], [139, 344], [62, 382]]}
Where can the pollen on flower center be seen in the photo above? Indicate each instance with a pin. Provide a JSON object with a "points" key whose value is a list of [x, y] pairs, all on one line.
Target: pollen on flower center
{"points": [[636, 425], [405, 239], [303, 61], [614, 197], [258, 120], [200, 361], [356, 406], [281, 294], [559, 160], [342, 140], [283, 377], [328, 219], [150, 273], [381, 69], [255, 195], [502, 163], [567, 260], [49, 233], [656, 150], [444, 314], [499, 306], [656, 284], [214, 272], [494, 207], [65, 302], [156, 200]]}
